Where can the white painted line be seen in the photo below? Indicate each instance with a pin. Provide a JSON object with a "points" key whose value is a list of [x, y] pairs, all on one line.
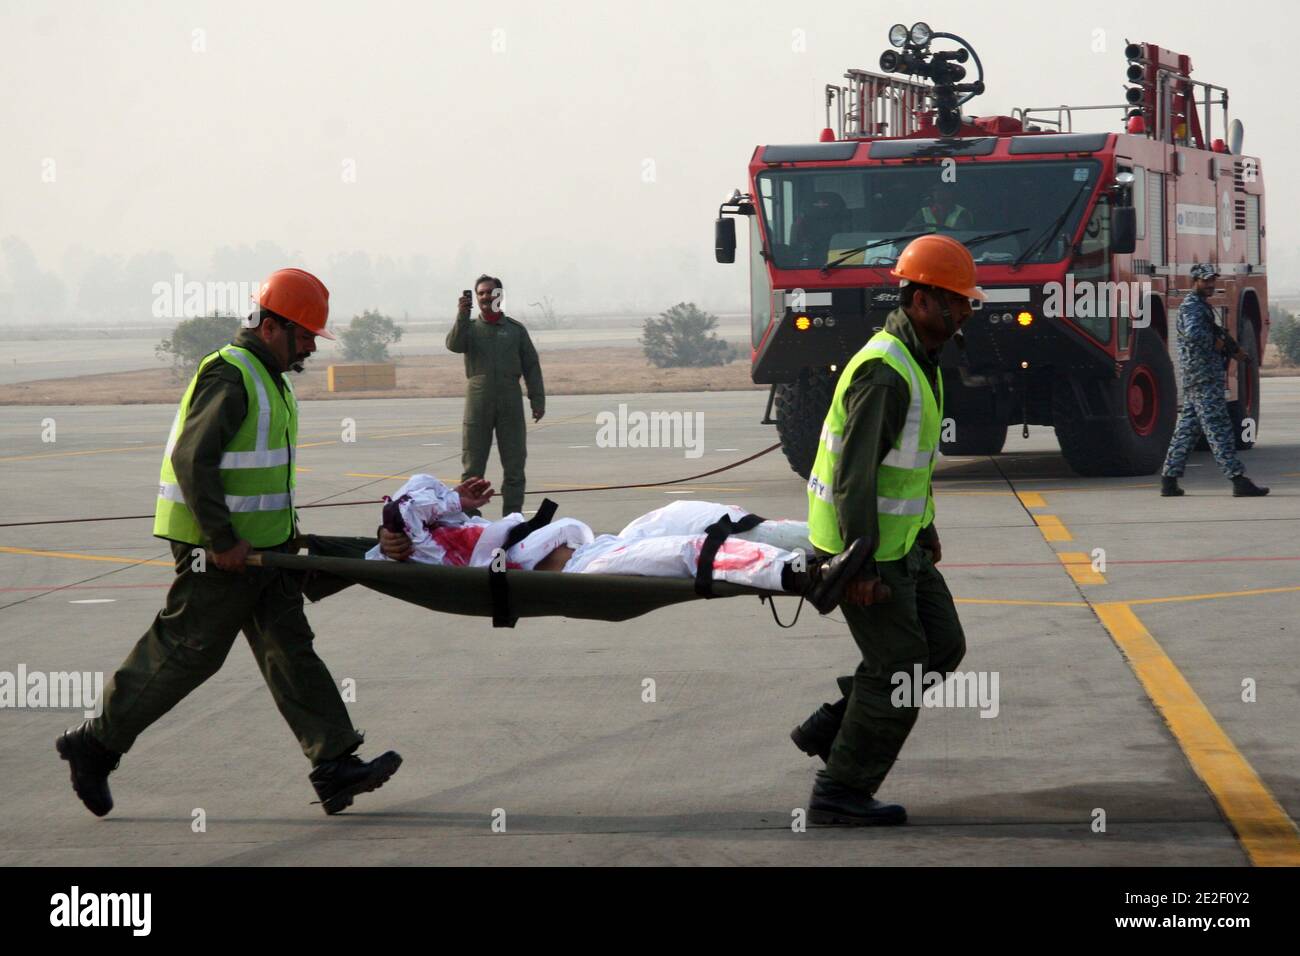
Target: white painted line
{"points": [[94, 601], [431, 444], [579, 446], [726, 449]]}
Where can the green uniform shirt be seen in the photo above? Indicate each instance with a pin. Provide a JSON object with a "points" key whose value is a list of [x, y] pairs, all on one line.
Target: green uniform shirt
{"points": [[497, 355], [875, 409], [217, 409]]}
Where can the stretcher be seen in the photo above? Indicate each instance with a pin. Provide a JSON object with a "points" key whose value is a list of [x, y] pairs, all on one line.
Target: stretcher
{"points": [[334, 563]]}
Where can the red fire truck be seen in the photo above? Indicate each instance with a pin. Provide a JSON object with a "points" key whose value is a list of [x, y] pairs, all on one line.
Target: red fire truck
{"points": [[1083, 243]]}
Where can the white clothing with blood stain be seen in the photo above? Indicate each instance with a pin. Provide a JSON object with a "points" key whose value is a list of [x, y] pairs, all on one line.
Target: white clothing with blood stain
{"points": [[664, 543]]}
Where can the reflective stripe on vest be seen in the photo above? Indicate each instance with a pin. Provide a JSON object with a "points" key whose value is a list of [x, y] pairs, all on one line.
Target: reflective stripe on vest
{"points": [[950, 221], [257, 471], [904, 504], [236, 503]]}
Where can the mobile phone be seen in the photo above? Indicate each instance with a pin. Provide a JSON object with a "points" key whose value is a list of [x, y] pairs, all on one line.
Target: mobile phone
{"points": [[466, 293]]}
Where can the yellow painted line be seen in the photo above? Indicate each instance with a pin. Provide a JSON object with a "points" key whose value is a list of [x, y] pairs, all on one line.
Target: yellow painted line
{"points": [[1268, 835], [1031, 499], [1107, 490], [694, 487], [1052, 528], [90, 451], [109, 451], [1079, 566], [1215, 595], [1023, 603], [84, 557]]}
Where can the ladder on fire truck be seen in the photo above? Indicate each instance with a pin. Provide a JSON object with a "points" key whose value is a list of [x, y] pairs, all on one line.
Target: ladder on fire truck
{"points": [[869, 105], [1171, 106]]}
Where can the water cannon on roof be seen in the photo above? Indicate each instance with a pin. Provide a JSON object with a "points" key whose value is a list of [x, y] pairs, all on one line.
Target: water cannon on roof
{"points": [[911, 55]]}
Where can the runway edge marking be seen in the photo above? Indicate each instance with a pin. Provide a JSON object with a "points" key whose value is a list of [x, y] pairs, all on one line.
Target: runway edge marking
{"points": [[1268, 835]]}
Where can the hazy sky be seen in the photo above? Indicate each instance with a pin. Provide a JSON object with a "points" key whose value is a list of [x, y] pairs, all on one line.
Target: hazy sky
{"points": [[579, 150]]}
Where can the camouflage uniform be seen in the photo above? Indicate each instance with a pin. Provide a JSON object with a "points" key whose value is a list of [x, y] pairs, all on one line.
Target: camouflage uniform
{"points": [[1204, 408]]}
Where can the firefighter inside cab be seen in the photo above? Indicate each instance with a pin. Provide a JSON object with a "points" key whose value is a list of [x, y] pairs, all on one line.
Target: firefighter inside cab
{"points": [[940, 212]]}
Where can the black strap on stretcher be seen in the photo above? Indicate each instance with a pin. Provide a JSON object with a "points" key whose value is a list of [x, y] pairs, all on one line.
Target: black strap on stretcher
{"points": [[714, 535], [498, 584]]}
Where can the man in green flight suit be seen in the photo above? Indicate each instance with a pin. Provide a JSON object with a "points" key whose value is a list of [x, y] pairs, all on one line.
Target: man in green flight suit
{"points": [[498, 352], [870, 497], [227, 488]]}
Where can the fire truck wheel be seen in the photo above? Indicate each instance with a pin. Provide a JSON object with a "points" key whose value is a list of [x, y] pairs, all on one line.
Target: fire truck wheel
{"points": [[1133, 442], [1247, 403], [800, 408]]}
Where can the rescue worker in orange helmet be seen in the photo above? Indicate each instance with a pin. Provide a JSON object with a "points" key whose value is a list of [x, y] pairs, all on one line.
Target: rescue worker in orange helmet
{"points": [[870, 502], [227, 487]]}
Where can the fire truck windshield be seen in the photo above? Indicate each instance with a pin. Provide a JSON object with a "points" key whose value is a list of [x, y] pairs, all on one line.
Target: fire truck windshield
{"points": [[1007, 212]]}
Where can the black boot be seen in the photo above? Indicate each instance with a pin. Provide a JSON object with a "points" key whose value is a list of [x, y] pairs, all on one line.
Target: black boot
{"points": [[832, 803], [816, 734], [338, 781], [833, 575], [91, 763], [1243, 487], [1169, 487]]}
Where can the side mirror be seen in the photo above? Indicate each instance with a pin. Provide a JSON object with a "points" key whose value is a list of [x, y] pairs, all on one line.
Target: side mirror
{"points": [[1123, 230], [724, 239]]}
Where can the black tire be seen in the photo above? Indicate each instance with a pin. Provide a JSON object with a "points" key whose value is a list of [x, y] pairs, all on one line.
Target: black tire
{"points": [[1134, 443], [1247, 403], [976, 429], [800, 408]]}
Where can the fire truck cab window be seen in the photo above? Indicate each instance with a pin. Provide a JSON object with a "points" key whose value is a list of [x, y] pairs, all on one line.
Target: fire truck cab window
{"points": [[815, 216], [1090, 306], [760, 289]]}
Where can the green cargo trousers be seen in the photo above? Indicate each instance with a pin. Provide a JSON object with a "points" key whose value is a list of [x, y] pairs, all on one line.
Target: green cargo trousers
{"points": [[496, 407], [190, 638], [918, 626]]}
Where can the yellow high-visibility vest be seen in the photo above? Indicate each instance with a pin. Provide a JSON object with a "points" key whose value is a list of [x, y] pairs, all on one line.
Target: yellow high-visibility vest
{"points": [[257, 472], [904, 503]]}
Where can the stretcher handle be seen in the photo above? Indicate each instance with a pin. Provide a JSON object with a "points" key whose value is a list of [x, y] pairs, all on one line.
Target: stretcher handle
{"points": [[254, 558]]}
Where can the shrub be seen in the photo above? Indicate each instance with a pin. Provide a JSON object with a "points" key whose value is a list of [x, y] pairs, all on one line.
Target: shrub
{"points": [[368, 337], [1285, 334], [194, 338], [684, 337]]}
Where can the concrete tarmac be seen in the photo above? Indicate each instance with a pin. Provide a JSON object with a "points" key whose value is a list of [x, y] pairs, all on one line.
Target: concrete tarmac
{"points": [[1148, 706]]}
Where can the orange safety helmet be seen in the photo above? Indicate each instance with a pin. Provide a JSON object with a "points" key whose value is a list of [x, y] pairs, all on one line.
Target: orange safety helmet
{"points": [[939, 261], [299, 297]]}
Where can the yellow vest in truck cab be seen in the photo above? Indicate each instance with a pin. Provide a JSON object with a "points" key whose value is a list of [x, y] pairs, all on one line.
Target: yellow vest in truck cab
{"points": [[904, 504], [257, 471]]}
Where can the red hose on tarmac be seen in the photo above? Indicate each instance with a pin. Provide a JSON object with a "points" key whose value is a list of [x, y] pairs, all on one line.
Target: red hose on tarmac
{"points": [[378, 501]]}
